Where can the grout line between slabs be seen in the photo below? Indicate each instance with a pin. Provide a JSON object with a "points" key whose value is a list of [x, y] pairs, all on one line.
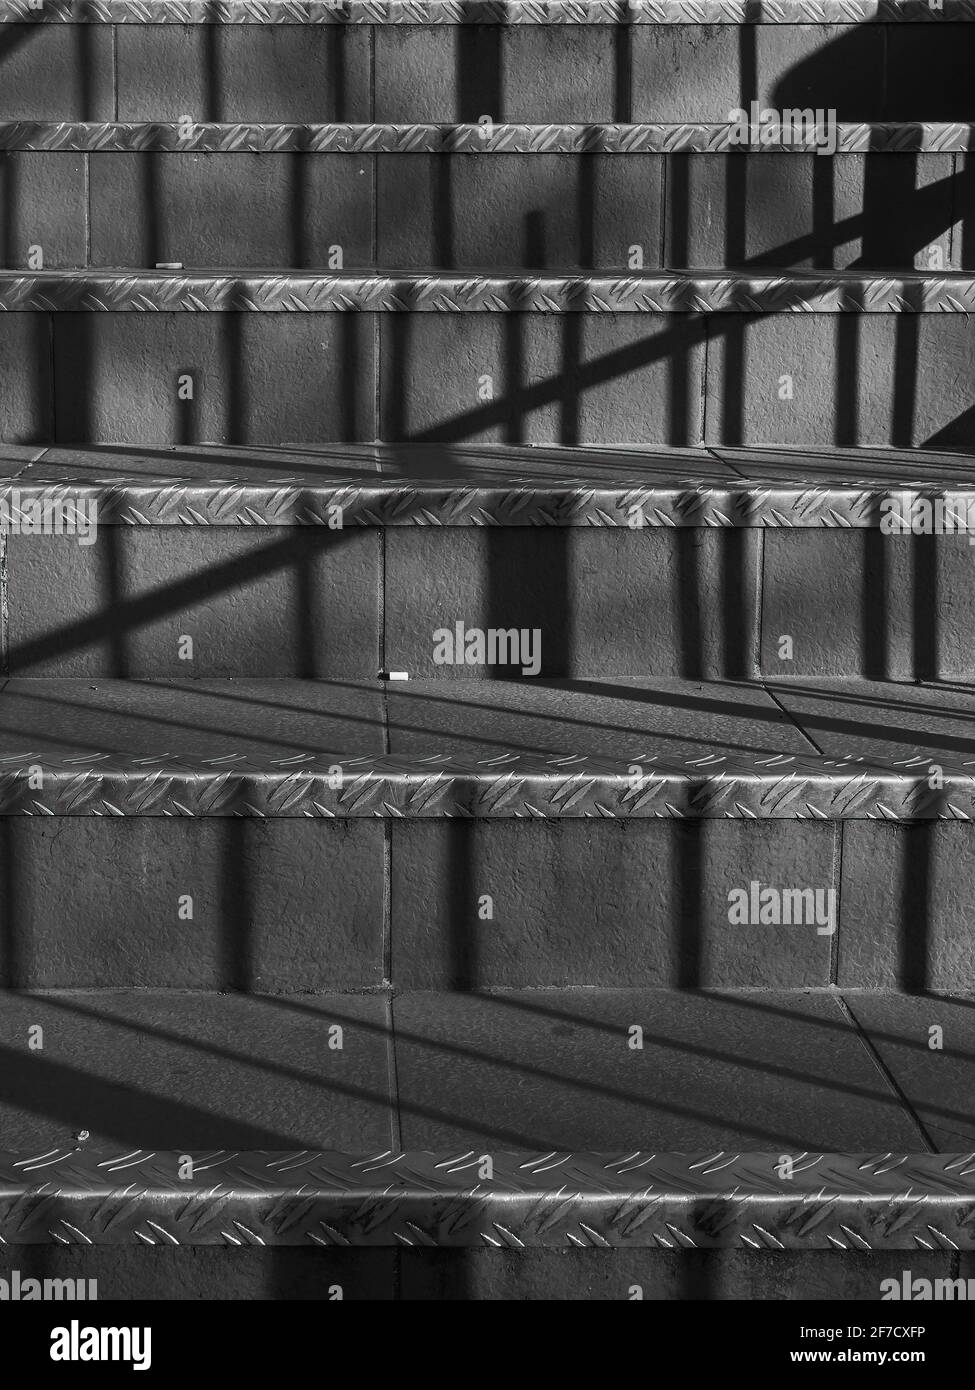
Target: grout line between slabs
{"points": [[395, 1116], [834, 940], [884, 1070], [4, 609]]}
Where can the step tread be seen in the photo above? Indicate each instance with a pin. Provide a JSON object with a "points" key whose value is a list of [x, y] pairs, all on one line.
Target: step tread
{"points": [[544, 1080], [472, 485], [883, 721], [392, 291], [502, 137], [818, 750]]}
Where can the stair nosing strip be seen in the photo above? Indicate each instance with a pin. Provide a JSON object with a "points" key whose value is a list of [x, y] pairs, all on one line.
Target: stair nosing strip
{"points": [[508, 137], [507, 786], [659, 292], [894, 507], [490, 12], [472, 1198]]}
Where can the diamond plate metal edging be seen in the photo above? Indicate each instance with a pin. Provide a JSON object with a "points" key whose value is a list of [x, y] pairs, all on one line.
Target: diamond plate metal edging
{"points": [[931, 137], [510, 1201], [514, 12], [697, 292], [171, 500], [511, 785]]}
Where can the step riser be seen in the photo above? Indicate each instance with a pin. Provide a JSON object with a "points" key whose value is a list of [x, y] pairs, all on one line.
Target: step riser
{"points": [[310, 906], [523, 73], [541, 211], [453, 1275], [309, 601], [598, 378], [699, 603]]}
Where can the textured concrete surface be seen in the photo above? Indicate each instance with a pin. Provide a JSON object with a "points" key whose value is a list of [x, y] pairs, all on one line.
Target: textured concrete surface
{"points": [[816, 379], [893, 607], [934, 1070], [938, 468], [27, 400], [554, 1070], [636, 603], [252, 1273], [614, 904], [54, 72], [704, 72], [191, 718], [256, 378], [533, 211], [908, 896], [522, 378], [463, 73], [883, 720], [800, 379], [587, 1275], [254, 906], [247, 1273], [635, 719], [228, 209], [45, 205], [243, 73], [302, 603], [885, 211], [197, 1070]]}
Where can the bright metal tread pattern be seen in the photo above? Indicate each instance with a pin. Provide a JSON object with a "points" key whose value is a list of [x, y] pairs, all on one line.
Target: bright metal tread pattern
{"points": [[660, 293], [510, 1201], [709, 786], [929, 137], [505, 12], [171, 500]]}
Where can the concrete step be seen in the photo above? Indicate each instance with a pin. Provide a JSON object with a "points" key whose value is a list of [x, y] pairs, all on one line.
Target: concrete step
{"points": [[339, 563], [497, 485], [484, 1146], [283, 837], [508, 72]]}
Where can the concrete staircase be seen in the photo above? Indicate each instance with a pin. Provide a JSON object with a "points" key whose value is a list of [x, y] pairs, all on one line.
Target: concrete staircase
{"points": [[487, 721]]}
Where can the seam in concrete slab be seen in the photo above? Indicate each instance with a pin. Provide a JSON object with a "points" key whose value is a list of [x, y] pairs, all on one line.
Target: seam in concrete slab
{"points": [[884, 1070], [704, 383], [4, 609], [834, 941], [396, 1124], [953, 229], [86, 165], [758, 599], [374, 256], [114, 73]]}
